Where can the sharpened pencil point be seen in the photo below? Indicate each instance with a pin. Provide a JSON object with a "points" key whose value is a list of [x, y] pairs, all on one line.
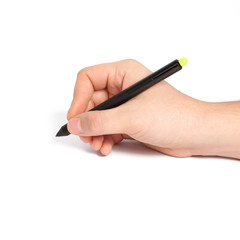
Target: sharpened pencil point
{"points": [[63, 131]]}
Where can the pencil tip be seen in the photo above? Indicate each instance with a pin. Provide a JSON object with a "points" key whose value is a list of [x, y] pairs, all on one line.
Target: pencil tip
{"points": [[63, 131]]}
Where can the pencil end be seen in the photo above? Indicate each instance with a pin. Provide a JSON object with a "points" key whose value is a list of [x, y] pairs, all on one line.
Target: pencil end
{"points": [[63, 131], [183, 62]]}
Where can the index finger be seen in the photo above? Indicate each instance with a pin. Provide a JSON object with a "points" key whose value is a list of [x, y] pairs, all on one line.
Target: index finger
{"points": [[89, 80], [109, 77]]}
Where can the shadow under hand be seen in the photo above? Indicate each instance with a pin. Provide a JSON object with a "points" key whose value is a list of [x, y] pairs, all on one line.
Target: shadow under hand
{"points": [[134, 147]]}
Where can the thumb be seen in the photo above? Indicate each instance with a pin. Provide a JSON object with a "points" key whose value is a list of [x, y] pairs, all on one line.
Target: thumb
{"points": [[96, 123]]}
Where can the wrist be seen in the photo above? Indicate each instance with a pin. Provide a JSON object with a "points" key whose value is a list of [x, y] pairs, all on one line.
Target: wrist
{"points": [[218, 130]]}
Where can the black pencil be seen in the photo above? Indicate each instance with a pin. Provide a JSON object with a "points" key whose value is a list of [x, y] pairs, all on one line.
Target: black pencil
{"points": [[135, 89]]}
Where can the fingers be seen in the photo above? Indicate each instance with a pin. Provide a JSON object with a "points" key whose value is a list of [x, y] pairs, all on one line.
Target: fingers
{"points": [[97, 98], [117, 138], [86, 139], [103, 143], [107, 145], [97, 142], [111, 77], [89, 80]]}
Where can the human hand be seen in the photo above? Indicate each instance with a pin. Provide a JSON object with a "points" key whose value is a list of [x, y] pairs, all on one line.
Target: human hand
{"points": [[161, 117]]}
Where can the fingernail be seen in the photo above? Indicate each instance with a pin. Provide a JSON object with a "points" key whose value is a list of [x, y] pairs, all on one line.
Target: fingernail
{"points": [[74, 126]]}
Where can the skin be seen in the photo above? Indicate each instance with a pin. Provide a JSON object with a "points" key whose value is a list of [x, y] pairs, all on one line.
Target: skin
{"points": [[162, 118]]}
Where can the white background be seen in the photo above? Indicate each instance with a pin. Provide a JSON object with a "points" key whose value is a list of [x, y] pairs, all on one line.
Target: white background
{"points": [[59, 188]]}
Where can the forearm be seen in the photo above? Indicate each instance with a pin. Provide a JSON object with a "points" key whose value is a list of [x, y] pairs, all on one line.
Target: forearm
{"points": [[219, 131]]}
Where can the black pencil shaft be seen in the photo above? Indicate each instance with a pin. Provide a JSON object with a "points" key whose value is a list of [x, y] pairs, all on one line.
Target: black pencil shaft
{"points": [[139, 86], [133, 90]]}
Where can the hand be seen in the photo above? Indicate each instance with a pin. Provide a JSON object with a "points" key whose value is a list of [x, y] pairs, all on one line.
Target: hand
{"points": [[161, 117]]}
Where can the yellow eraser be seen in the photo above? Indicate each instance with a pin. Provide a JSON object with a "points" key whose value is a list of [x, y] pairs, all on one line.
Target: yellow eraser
{"points": [[183, 62]]}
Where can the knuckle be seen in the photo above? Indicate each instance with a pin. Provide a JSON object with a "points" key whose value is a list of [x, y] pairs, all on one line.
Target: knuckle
{"points": [[131, 60], [82, 71]]}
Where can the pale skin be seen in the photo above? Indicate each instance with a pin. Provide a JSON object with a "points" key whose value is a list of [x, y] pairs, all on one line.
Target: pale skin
{"points": [[162, 118]]}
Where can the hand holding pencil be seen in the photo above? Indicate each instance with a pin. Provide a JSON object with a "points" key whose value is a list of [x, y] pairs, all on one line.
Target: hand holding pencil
{"points": [[162, 118]]}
